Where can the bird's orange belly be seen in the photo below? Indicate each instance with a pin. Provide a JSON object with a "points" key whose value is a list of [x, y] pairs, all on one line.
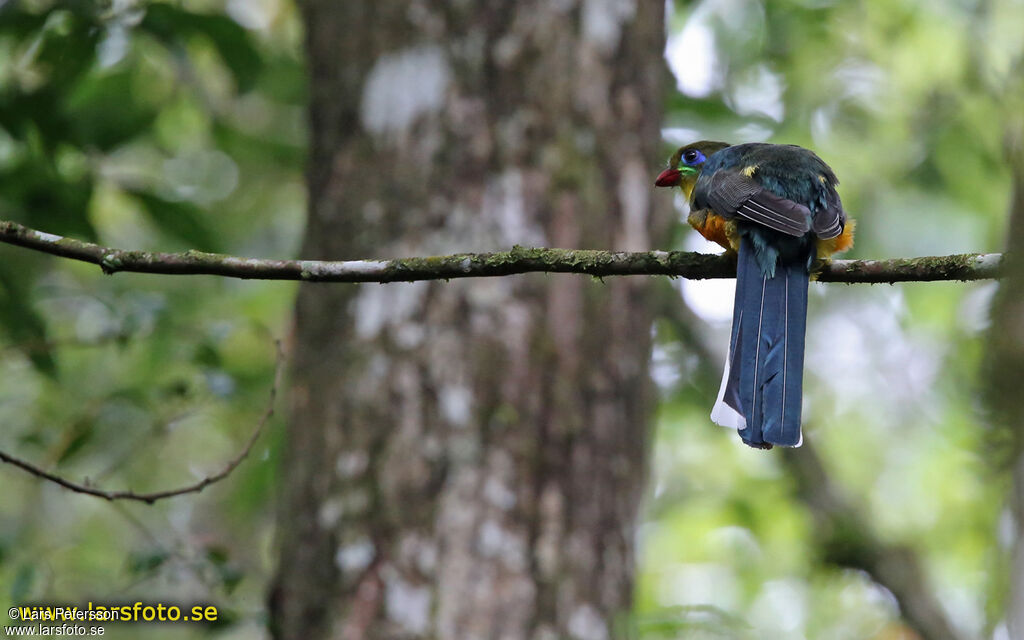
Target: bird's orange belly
{"points": [[720, 231], [714, 228], [838, 244]]}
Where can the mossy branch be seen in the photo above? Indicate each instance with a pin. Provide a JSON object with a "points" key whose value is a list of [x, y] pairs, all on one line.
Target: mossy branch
{"points": [[969, 266]]}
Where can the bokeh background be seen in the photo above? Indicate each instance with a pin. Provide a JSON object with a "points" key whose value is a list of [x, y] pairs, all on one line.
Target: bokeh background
{"points": [[170, 126]]}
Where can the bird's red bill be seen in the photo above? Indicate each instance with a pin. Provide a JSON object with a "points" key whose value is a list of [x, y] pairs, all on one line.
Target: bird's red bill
{"points": [[668, 178]]}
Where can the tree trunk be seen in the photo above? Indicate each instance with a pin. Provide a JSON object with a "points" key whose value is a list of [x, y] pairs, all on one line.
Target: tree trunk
{"points": [[1006, 370], [465, 459]]}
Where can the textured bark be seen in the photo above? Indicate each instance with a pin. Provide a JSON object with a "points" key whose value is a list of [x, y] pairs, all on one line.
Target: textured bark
{"points": [[465, 459], [1005, 372]]}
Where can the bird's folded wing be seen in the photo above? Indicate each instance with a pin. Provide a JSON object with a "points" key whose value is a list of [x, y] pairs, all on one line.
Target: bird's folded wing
{"points": [[732, 194], [830, 221]]}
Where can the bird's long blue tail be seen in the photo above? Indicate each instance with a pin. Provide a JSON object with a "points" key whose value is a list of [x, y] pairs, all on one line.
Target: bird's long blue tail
{"points": [[764, 374]]}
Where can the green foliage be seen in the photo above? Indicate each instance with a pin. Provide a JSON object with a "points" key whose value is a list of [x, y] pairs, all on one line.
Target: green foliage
{"points": [[165, 126], [909, 103], [144, 563], [174, 26], [21, 586], [24, 325], [99, 116], [181, 220]]}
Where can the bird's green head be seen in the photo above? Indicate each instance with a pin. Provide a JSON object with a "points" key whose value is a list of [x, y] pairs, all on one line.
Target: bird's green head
{"points": [[685, 164]]}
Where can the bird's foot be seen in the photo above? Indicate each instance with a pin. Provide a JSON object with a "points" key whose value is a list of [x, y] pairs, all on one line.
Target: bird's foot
{"points": [[818, 265]]}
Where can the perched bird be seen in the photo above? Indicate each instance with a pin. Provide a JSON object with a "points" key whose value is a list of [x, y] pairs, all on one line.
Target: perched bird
{"points": [[776, 206]]}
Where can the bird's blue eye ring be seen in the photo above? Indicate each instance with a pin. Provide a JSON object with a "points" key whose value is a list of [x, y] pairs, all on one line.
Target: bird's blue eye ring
{"points": [[692, 157]]}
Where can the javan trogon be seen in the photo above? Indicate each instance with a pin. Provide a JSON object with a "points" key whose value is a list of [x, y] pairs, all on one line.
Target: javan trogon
{"points": [[777, 208]]}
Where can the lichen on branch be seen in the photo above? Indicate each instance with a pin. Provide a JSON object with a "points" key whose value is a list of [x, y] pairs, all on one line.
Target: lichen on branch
{"points": [[684, 264]]}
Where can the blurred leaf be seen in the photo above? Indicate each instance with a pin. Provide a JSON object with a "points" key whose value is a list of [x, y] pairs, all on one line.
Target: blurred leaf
{"points": [[284, 80], [177, 389], [34, 116], [21, 586], [208, 356], [15, 20], [236, 49], [244, 146], [105, 112], [68, 45], [80, 433], [681, 106], [35, 194], [143, 563], [228, 573], [225, 618], [23, 324], [180, 220]]}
